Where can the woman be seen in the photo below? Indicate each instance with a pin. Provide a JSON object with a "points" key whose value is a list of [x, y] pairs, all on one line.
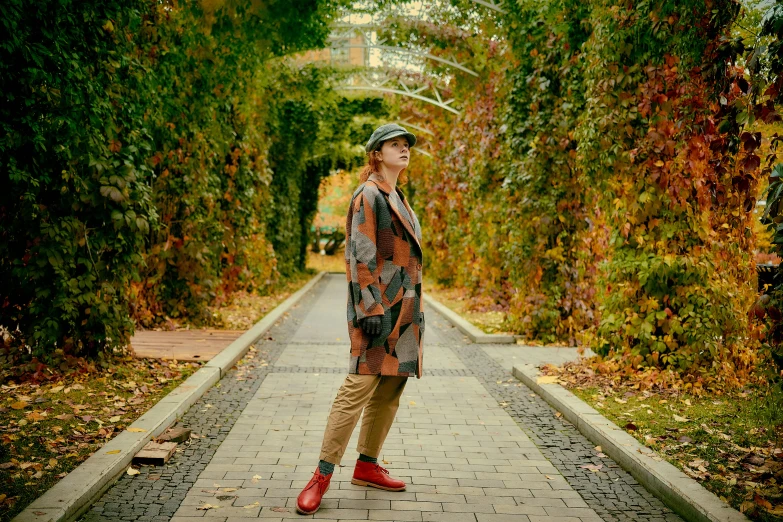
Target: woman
{"points": [[385, 321]]}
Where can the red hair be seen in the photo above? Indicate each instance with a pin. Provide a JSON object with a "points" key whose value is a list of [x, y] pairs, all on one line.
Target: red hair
{"points": [[374, 165]]}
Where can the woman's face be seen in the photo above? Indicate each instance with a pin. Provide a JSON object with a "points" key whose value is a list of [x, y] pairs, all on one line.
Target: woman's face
{"points": [[395, 153]]}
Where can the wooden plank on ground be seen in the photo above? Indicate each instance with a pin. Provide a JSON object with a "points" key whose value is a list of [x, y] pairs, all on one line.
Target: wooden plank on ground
{"points": [[155, 454], [182, 345]]}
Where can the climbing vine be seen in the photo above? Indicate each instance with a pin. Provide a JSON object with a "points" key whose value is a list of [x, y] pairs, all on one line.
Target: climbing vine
{"points": [[595, 185], [144, 142]]}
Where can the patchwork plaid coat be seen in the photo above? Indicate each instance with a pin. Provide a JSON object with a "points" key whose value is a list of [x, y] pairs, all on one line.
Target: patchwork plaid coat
{"points": [[383, 264]]}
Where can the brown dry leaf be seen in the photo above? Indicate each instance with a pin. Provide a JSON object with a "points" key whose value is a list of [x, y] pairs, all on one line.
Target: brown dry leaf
{"points": [[251, 506], [19, 405], [592, 467], [547, 379], [229, 490], [280, 510], [206, 507], [761, 501], [132, 471], [620, 401], [136, 430], [36, 416], [255, 479], [53, 462], [64, 417]]}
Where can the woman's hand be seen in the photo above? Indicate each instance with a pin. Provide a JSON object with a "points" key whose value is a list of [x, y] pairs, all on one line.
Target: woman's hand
{"points": [[372, 325]]}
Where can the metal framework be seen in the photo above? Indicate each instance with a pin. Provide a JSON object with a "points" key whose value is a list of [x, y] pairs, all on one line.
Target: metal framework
{"points": [[491, 4], [398, 86], [347, 31], [385, 84], [446, 61]]}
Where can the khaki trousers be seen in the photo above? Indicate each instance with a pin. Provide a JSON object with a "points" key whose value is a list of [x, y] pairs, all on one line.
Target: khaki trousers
{"points": [[379, 397]]}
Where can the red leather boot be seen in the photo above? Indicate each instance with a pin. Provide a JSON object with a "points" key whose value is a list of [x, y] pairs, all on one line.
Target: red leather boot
{"points": [[374, 476], [309, 500]]}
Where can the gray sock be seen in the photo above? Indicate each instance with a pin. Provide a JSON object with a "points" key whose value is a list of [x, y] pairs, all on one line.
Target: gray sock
{"points": [[326, 468], [365, 458]]}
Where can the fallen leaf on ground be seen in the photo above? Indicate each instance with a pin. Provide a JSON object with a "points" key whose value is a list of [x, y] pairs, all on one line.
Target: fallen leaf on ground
{"points": [[205, 507], [547, 379], [280, 510], [19, 405], [251, 506], [132, 471], [592, 467], [631, 426], [255, 479], [136, 430], [229, 490], [680, 419], [761, 501]]}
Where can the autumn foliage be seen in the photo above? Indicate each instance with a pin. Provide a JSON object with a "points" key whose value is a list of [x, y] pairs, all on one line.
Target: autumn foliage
{"points": [[601, 181], [158, 156]]}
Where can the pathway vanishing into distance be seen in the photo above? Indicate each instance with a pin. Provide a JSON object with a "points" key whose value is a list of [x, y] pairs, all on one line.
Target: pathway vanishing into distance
{"points": [[472, 442]]}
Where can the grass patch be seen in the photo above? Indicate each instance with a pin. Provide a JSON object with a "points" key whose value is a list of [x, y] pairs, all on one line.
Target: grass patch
{"points": [[47, 429], [333, 263], [730, 443], [488, 316], [247, 308]]}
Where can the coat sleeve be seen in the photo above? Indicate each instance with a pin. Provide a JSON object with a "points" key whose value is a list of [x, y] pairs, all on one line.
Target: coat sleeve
{"points": [[362, 229]]}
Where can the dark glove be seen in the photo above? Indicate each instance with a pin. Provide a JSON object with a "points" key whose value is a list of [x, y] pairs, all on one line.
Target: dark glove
{"points": [[372, 325]]}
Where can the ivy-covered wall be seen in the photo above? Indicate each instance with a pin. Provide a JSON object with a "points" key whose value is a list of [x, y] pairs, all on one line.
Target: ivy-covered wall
{"points": [[157, 156], [589, 186]]}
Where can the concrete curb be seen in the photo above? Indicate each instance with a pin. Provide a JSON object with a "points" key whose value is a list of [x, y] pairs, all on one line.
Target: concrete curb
{"points": [[474, 334], [72, 496], [683, 495]]}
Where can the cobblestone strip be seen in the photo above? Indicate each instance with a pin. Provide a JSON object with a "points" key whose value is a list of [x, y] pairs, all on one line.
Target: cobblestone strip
{"points": [[611, 492], [155, 494]]}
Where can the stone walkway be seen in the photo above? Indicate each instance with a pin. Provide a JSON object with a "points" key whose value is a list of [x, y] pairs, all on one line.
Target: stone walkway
{"points": [[472, 443]]}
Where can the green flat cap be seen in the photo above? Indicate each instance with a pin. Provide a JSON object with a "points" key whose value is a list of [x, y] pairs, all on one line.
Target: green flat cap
{"points": [[387, 132]]}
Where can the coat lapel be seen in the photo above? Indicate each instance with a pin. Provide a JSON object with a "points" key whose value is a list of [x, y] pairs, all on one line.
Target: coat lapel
{"points": [[386, 189]]}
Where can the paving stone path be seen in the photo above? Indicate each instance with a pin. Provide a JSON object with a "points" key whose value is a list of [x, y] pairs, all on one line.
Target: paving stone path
{"points": [[472, 443]]}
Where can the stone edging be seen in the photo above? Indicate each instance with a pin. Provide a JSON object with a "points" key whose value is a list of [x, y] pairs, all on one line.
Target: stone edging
{"points": [[72, 495], [682, 494], [474, 333]]}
